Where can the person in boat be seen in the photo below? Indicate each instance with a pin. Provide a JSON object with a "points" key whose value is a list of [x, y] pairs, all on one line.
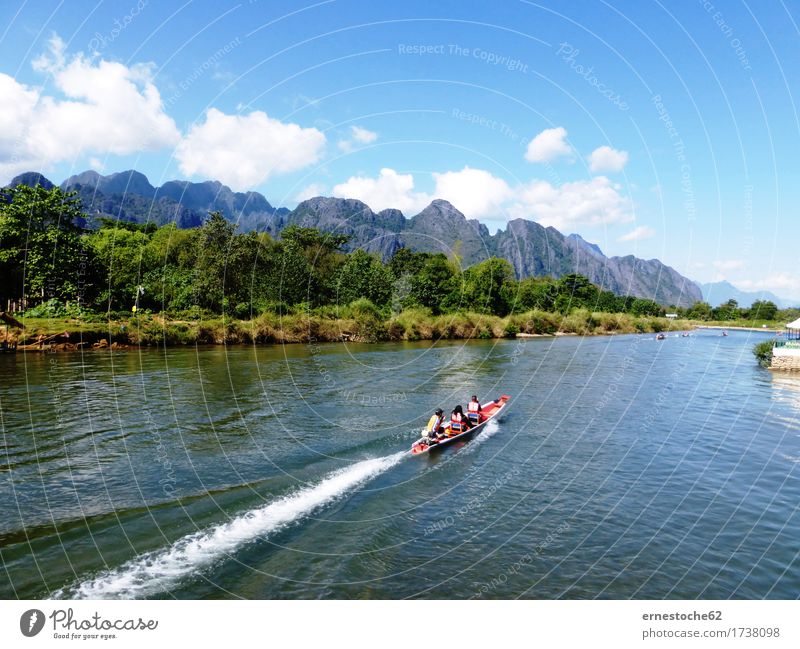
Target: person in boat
{"points": [[474, 410], [459, 422], [435, 429]]}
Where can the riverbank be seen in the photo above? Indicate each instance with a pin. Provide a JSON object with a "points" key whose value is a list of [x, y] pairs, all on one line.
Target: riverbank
{"points": [[771, 329], [71, 334]]}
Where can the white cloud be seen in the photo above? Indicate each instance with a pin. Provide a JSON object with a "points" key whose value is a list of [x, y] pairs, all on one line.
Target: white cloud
{"points": [[548, 145], [728, 264], [574, 204], [605, 158], [363, 135], [359, 135], [105, 108], [784, 284], [477, 193], [313, 190], [54, 58], [244, 150], [389, 189], [772, 282], [638, 233]]}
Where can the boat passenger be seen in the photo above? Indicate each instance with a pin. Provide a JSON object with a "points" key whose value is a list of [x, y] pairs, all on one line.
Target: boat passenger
{"points": [[474, 410], [435, 428], [459, 422]]}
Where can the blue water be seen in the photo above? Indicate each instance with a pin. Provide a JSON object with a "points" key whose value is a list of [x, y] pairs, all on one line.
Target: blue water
{"points": [[623, 467]]}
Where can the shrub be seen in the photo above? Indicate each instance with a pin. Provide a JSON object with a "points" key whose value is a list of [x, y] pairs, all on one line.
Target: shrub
{"points": [[363, 308], [763, 352], [510, 330]]}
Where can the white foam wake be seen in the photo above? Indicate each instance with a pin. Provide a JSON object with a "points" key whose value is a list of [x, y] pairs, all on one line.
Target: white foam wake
{"points": [[157, 571], [488, 431]]}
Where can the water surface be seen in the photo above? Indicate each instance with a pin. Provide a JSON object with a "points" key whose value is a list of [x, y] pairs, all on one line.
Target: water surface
{"points": [[623, 467]]}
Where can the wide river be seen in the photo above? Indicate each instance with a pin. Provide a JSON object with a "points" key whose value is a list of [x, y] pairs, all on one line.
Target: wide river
{"points": [[622, 467]]}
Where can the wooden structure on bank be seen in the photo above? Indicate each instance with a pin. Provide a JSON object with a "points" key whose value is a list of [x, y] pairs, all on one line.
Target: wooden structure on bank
{"points": [[10, 321]]}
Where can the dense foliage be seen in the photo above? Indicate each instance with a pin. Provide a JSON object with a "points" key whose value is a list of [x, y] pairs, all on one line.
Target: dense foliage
{"points": [[763, 352], [47, 256]]}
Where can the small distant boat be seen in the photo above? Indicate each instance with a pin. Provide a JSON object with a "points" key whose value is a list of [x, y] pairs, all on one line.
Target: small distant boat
{"points": [[684, 335], [660, 337], [724, 333], [489, 411]]}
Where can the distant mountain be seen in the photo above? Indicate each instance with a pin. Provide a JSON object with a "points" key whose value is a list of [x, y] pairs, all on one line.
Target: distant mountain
{"points": [[532, 249], [716, 293], [129, 196], [31, 179]]}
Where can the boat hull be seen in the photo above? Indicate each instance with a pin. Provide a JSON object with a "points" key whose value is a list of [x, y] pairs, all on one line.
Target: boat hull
{"points": [[490, 411]]}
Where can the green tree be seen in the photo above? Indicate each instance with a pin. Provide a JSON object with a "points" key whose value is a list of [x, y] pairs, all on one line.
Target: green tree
{"points": [[727, 311], [486, 286], [311, 260], [214, 242], [536, 293], [435, 285], [763, 310], [404, 262], [364, 276], [42, 255], [168, 268], [575, 290], [641, 306], [118, 253], [699, 311], [608, 302]]}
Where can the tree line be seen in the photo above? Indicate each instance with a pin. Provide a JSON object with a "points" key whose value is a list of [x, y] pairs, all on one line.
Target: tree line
{"points": [[50, 256]]}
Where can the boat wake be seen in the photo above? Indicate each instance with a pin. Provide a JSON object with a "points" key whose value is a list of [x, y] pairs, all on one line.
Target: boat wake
{"points": [[488, 431], [157, 571]]}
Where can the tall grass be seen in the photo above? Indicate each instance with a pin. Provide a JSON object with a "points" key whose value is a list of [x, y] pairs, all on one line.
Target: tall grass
{"points": [[360, 321]]}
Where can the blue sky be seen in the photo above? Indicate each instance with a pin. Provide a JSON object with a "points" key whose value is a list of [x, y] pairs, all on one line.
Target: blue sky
{"points": [[663, 130]]}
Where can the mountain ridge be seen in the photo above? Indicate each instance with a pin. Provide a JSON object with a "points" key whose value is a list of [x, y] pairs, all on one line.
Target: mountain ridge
{"points": [[532, 249], [716, 293]]}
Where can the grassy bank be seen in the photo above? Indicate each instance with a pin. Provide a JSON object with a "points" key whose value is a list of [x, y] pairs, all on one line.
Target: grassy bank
{"points": [[357, 325]]}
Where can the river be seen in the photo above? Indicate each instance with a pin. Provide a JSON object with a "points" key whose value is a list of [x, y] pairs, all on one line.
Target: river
{"points": [[622, 467]]}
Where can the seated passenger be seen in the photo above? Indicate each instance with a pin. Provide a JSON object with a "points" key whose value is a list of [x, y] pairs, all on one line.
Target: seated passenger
{"points": [[459, 422], [474, 410], [435, 428]]}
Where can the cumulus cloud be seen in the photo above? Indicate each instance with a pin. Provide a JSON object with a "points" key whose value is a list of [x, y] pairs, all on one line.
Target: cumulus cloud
{"points": [[475, 192], [104, 108], [605, 158], [573, 204], [244, 150], [389, 189], [479, 194], [638, 233], [548, 145]]}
